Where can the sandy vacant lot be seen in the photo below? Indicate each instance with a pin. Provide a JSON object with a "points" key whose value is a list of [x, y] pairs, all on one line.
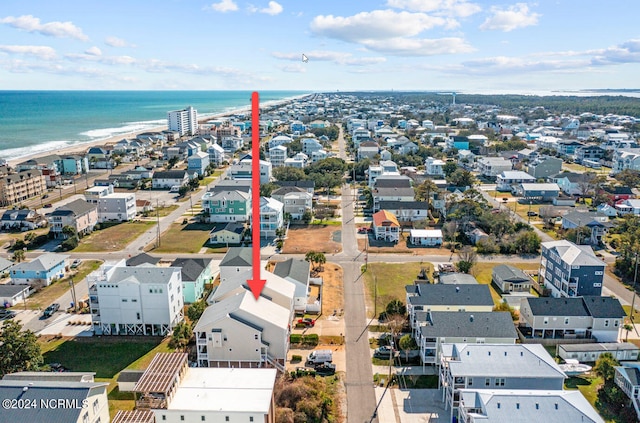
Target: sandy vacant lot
{"points": [[318, 238]]}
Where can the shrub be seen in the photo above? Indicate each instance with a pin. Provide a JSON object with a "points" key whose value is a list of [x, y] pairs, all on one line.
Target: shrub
{"points": [[310, 339], [296, 358], [295, 338], [69, 243]]}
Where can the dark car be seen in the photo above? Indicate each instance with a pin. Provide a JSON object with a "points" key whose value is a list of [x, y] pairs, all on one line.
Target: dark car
{"points": [[383, 352], [532, 213], [7, 314], [325, 369], [362, 230], [48, 312], [48, 206]]}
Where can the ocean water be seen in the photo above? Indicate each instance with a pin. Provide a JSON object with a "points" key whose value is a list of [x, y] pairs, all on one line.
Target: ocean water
{"points": [[38, 121]]}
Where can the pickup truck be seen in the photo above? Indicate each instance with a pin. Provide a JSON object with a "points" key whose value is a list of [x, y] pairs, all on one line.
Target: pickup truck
{"points": [[48, 312]]}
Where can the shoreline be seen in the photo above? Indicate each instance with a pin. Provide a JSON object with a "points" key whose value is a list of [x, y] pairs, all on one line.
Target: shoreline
{"points": [[83, 147]]}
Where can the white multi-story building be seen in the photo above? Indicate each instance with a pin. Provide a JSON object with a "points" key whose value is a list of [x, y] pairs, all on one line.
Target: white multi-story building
{"points": [[434, 167], [119, 206], [277, 155], [144, 300], [185, 121], [271, 216], [216, 154]]}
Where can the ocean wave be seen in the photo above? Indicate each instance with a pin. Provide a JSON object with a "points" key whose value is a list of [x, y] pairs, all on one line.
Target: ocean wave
{"points": [[50, 146], [127, 128]]}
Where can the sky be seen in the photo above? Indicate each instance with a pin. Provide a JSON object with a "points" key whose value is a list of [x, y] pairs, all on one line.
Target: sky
{"points": [[454, 45]]}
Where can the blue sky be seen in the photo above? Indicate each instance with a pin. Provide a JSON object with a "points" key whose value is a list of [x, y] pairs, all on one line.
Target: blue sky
{"points": [[472, 46]]}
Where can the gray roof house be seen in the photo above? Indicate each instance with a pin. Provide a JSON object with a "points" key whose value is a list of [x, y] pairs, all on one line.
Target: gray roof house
{"points": [[509, 278], [43, 392], [570, 270], [457, 279], [524, 406], [442, 297], [297, 272], [569, 318], [494, 327], [142, 259], [505, 367]]}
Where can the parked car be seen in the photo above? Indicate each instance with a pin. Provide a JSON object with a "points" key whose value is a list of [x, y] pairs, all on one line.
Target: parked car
{"points": [[76, 263], [48, 312], [48, 206], [383, 352], [307, 322], [7, 314], [532, 213], [362, 230], [325, 369]]}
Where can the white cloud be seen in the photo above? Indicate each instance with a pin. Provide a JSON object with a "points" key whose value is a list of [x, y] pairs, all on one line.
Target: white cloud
{"points": [[420, 46], [336, 57], [117, 42], [514, 17], [224, 6], [30, 23], [459, 8], [273, 9], [93, 51], [374, 25], [294, 68], [42, 52]]}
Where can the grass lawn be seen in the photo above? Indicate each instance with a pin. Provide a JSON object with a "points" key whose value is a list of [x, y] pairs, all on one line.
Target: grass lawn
{"points": [[105, 356], [390, 280], [114, 238], [588, 385], [188, 239], [482, 272], [49, 294]]}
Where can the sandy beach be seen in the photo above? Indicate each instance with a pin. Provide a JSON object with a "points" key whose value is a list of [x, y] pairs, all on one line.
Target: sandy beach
{"points": [[82, 148]]}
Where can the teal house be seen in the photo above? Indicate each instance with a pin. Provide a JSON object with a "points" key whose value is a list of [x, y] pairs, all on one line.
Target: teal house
{"points": [[196, 272], [226, 206]]}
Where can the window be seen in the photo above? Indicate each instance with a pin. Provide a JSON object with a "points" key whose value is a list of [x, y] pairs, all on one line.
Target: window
{"points": [[226, 418], [487, 382], [95, 407], [202, 418], [124, 300], [606, 323], [138, 316], [181, 418], [164, 417], [499, 381], [470, 381], [599, 273], [250, 418]]}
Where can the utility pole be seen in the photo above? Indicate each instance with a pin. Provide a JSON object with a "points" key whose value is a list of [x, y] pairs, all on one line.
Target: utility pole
{"points": [[635, 279], [158, 222], [73, 294]]}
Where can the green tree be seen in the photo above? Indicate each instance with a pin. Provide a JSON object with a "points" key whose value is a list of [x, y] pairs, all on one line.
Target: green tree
{"points": [[172, 162], [196, 309], [267, 189], [461, 178], [286, 173], [467, 259], [605, 367], [69, 231], [628, 177], [527, 242], [20, 349], [395, 307], [181, 336], [406, 344], [449, 167], [424, 190], [18, 256]]}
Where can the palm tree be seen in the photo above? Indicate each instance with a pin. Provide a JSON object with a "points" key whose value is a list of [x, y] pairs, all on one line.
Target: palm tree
{"points": [[18, 256], [628, 327]]}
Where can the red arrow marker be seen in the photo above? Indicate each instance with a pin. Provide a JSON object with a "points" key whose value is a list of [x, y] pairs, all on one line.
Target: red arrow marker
{"points": [[256, 284]]}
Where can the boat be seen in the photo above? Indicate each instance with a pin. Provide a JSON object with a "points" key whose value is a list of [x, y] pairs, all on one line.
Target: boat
{"points": [[574, 367]]}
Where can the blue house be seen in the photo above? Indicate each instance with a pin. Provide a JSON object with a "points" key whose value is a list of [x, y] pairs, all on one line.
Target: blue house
{"points": [[196, 272], [457, 142], [40, 271], [198, 163], [74, 165]]}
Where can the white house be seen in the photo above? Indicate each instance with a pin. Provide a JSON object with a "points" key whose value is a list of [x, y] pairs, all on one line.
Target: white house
{"points": [[143, 300], [169, 178], [92, 194], [216, 154], [271, 216], [434, 167], [240, 331], [277, 155], [243, 170], [426, 237], [296, 271], [630, 206], [119, 206], [493, 166]]}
